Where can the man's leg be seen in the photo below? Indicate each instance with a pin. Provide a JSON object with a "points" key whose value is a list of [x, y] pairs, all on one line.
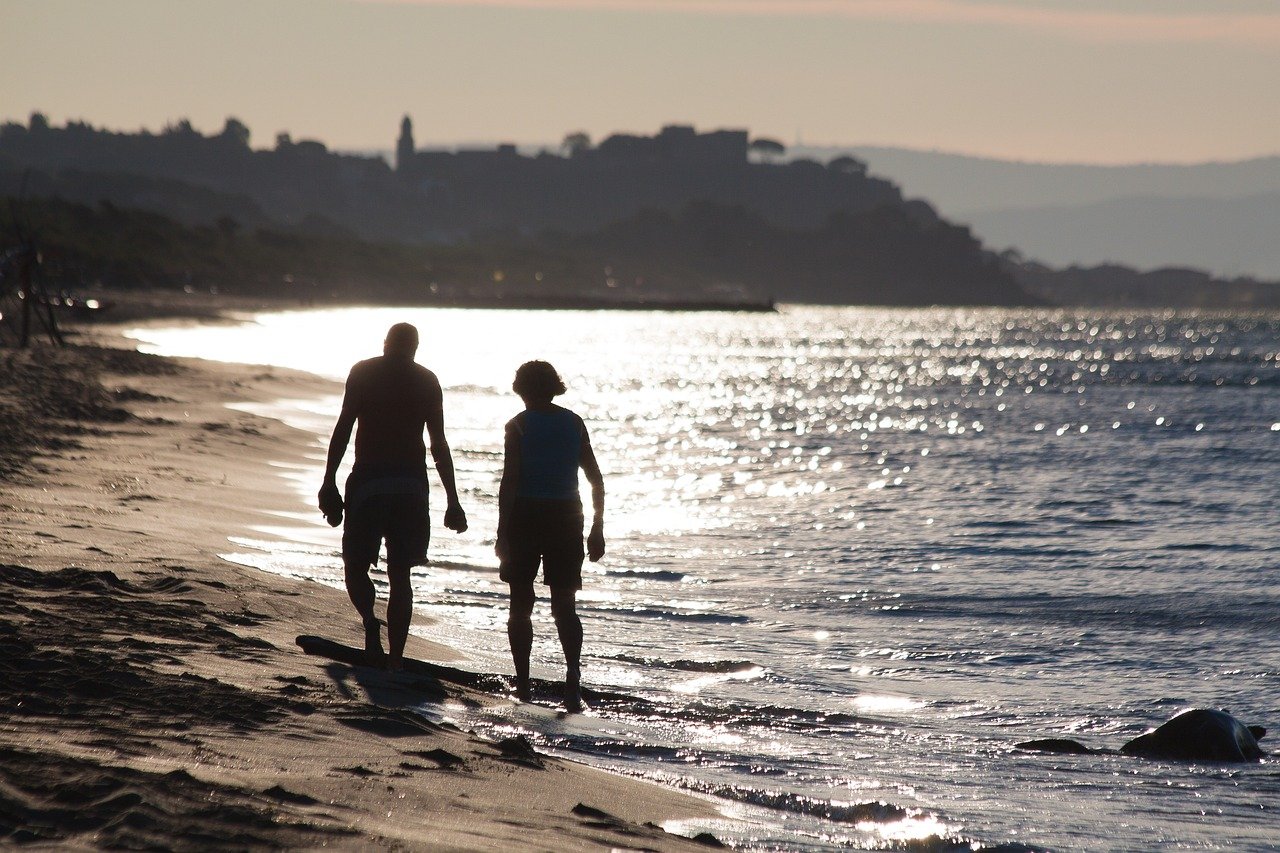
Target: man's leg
{"points": [[407, 529], [399, 611], [565, 611], [520, 635], [360, 589]]}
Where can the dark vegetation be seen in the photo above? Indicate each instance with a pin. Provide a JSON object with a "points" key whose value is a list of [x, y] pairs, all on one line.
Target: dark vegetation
{"points": [[888, 255], [725, 255]]}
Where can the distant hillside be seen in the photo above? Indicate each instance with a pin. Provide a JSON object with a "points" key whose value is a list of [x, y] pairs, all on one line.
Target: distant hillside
{"points": [[439, 196], [960, 185], [1230, 237], [722, 216], [681, 216], [1113, 286], [1219, 216]]}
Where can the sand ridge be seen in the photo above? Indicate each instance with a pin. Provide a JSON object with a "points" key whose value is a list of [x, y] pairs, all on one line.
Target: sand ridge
{"points": [[157, 694]]}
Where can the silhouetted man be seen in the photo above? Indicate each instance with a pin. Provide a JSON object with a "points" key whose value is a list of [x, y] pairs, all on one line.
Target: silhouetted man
{"points": [[540, 520], [391, 398]]}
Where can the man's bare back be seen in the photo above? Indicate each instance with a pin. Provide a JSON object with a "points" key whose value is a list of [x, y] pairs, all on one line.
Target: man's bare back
{"points": [[389, 401]]}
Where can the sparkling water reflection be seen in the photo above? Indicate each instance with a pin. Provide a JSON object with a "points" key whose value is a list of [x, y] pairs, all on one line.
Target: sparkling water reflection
{"points": [[856, 554]]}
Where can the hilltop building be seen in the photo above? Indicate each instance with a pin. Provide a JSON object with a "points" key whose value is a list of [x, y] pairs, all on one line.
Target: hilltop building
{"points": [[404, 145], [499, 189], [674, 144], [680, 143]]}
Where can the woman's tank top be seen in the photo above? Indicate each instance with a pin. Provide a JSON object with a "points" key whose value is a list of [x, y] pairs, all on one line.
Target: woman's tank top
{"points": [[550, 450]]}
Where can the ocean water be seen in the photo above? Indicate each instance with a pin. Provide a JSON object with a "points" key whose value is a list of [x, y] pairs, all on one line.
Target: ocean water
{"points": [[855, 555]]}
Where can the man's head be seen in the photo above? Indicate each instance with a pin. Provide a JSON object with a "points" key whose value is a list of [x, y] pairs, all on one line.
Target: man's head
{"points": [[401, 342], [537, 382]]}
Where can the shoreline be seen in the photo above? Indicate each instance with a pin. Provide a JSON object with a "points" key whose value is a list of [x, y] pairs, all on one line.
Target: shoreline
{"points": [[139, 661], [121, 307]]}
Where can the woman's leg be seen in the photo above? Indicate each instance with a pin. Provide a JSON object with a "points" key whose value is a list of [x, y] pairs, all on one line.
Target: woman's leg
{"points": [[569, 626], [520, 634]]}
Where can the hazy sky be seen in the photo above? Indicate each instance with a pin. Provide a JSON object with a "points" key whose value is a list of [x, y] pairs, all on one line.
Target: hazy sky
{"points": [[1063, 80]]}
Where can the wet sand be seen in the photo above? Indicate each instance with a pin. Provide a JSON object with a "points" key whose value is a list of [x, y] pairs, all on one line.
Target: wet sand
{"points": [[156, 693]]}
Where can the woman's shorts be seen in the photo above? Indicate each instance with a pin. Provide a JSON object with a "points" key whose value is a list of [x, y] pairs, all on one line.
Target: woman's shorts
{"points": [[547, 532]]}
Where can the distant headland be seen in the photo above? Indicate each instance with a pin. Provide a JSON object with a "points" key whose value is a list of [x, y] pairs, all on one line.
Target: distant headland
{"points": [[679, 218]]}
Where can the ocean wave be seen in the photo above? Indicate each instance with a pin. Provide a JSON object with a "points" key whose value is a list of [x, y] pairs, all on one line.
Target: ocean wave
{"points": [[875, 811], [676, 615], [658, 575], [690, 665], [1207, 546]]}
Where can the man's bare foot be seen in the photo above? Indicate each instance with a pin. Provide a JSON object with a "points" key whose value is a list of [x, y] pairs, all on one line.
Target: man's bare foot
{"points": [[373, 641], [523, 691]]}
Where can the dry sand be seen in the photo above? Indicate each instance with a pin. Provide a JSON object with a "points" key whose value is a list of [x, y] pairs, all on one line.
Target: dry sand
{"points": [[155, 695]]}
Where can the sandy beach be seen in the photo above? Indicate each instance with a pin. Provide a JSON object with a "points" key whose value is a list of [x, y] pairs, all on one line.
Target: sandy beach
{"points": [[156, 693]]}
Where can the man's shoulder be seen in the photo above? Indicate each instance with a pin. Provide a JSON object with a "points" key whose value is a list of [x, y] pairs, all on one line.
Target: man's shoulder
{"points": [[370, 367], [380, 365], [426, 374], [428, 385]]}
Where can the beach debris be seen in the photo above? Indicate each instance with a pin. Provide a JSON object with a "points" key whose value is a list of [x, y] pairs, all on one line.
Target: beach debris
{"points": [[518, 750], [1060, 745], [1200, 734]]}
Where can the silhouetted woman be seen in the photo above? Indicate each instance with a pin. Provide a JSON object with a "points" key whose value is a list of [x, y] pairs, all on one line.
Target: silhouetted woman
{"points": [[540, 519]]}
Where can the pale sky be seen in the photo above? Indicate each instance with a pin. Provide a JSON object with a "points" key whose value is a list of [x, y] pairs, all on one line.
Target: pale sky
{"points": [[1053, 80]]}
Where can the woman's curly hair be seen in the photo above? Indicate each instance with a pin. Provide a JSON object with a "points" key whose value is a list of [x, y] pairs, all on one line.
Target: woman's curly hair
{"points": [[537, 380]]}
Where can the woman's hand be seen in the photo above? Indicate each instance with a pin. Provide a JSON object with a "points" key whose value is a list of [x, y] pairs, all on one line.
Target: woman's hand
{"points": [[595, 542]]}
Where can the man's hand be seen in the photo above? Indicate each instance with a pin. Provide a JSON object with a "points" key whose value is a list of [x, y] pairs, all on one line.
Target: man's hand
{"points": [[455, 519], [595, 542], [330, 502], [502, 548]]}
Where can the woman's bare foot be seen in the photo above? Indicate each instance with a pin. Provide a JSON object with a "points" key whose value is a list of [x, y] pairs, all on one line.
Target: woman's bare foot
{"points": [[573, 691]]}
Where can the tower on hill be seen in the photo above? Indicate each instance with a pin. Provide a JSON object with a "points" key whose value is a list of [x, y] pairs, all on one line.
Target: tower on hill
{"points": [[404, 145]]}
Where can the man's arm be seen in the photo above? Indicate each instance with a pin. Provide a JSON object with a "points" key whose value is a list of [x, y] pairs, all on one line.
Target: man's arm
{"points": [[454, 518], [338, 445], [330, 499], [508, 488], [587, 460]]}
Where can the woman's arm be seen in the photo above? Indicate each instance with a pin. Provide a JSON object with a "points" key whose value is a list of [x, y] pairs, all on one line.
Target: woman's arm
{"points": [[587, 459], [508, 488]]}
